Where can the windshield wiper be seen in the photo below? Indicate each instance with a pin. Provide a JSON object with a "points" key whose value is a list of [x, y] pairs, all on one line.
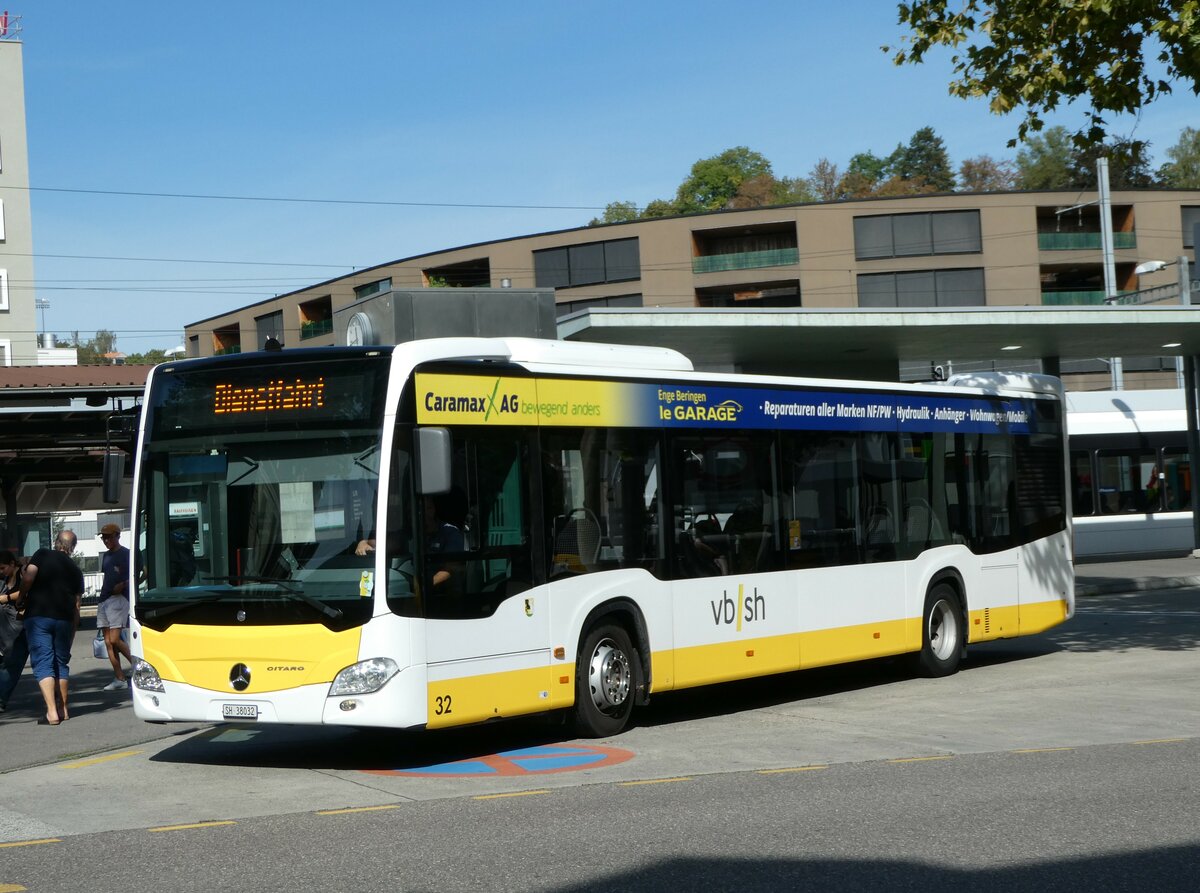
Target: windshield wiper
{"points": [[155, 613], [291, 590]]}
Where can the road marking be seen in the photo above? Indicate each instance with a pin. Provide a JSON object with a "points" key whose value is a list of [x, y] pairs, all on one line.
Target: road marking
{"points": [[357, 809], [4, 846], [791, 769], [1042, 749], [82, 764], [514, 794], [922, 759], [629, 784], [11, 888], [189, 827], [1162, 741]]}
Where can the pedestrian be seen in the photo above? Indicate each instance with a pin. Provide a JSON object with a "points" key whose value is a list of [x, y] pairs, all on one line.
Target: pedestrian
{"points": [[51, 591], [14, 644], [112, 614]]}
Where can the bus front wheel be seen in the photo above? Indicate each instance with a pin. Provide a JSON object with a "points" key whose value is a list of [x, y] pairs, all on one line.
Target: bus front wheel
{"points": [[942, 632], [604, 682]]}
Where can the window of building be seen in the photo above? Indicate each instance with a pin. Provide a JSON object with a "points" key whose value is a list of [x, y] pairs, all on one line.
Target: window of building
{"points": [[563, 308], [1, 220], [923, 288], [227, 339], [3, 289], [316, 317], [592, 263], [372, 288], [1190, 220], [193, 346], [269, 326], [5, 352], [914, 235]]}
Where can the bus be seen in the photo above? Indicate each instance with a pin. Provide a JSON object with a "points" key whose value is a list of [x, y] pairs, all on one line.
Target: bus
{"points": [[1131, 476], [453, 531]]}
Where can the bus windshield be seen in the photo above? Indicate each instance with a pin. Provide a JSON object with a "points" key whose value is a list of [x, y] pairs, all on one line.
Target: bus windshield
{"points": [[268, 507]]}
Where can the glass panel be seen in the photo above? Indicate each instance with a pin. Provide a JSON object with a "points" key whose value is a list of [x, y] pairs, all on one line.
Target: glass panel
{"points": [[960, 288], [872, 237], [924, 520], [821, 499], [723, 513], [1081, 484], [1176, 481], [550, 268], [956, 232], [1190, 218], [877, 290], [1123, 476], [916, 289], [587, 263], [881, 508], [601, 500], [621, 260], [912, 234]]}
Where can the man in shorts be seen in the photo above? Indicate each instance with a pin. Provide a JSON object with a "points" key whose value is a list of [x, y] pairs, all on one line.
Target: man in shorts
{"points": [[112, 615]]}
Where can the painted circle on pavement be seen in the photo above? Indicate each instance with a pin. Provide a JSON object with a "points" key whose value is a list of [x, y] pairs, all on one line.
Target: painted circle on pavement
{"points": [[542, 760]]}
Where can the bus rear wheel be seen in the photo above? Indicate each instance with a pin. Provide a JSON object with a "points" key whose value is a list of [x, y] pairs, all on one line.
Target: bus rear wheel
{"points": [[942, 632], [604, 682]]}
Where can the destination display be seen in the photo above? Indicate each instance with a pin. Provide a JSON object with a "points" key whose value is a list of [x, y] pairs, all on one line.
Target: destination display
{"points": [[258, 396], [482, 400]]}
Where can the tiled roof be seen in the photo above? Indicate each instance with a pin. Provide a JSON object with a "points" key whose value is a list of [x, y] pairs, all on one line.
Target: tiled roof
{"points": [[72, 378]]}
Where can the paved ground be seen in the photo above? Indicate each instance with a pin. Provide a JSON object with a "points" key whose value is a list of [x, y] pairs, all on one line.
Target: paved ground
{"points": [[1100, 577]]}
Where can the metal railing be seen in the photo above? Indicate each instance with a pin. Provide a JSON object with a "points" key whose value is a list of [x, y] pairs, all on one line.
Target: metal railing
{"points": [[1082, 241]]}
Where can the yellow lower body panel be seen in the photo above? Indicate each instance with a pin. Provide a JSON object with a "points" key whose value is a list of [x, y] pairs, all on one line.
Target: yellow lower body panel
{"points": [[987, 624], [1042, 616], [472, 699], [278, 657]]}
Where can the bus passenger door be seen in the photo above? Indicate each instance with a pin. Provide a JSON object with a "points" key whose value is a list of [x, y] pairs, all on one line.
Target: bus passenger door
{"points": [[487, 631]]}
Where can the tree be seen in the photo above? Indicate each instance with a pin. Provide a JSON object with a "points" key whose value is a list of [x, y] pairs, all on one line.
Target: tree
{"points": [[617, 212], [151, 357], [92, 351], [713, 182], [1031, 56], [924, 162], [1183, 170], [1128, 164], [660, 207], [985, 174], [823, 180], [1045, 162]]}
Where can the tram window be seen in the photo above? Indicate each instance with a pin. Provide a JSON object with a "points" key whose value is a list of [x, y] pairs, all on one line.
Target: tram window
{"points": [[1177, 481], [1123, 478], [1081, 483]]}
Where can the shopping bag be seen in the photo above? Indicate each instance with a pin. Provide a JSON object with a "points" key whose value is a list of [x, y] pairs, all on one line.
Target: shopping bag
{"points": [[99, 649]]}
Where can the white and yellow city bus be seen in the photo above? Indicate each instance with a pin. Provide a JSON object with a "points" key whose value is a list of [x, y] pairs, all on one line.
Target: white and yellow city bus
{"points": [[458, 530]]}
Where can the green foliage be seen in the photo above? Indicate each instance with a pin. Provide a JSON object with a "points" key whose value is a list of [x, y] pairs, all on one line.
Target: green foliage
{"points": [[617, 212], [924, 162], [1030, 56], [1183, 170], [1045, 162], [714, 182], [149, 358], [986, 174], [91, 352]]}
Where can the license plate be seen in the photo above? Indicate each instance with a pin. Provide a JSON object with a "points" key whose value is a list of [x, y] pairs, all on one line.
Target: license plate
{"points": [[239, 711]]}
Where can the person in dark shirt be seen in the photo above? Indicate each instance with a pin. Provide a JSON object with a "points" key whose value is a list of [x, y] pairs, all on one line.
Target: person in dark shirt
{"points": [[51, 590]]}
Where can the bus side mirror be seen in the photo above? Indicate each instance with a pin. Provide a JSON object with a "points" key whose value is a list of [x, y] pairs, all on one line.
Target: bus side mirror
{"points": [[113, 477], [433, 461]]}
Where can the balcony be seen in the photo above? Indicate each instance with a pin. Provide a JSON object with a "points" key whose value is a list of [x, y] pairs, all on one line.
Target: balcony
{"points": [[1082, 241], [1084, 298], [746, 260], [315, 328]]}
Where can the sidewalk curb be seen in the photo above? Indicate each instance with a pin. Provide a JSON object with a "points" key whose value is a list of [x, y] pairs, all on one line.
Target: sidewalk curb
{"points": [[1111, 585]]}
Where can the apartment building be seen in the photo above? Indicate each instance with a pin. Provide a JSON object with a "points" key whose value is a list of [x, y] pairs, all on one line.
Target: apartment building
{"points": [[18, 309], [949, 251]]}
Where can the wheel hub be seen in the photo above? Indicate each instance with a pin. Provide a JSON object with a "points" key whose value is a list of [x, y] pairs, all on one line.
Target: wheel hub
{"points": [[609, 676]]}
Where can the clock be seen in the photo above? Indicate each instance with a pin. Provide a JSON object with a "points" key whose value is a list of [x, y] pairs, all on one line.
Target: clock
{"points": [[360, 330]]}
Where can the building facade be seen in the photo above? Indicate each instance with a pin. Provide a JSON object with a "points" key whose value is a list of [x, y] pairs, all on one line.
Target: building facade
{"points": [[956, 250], [18, 307]]}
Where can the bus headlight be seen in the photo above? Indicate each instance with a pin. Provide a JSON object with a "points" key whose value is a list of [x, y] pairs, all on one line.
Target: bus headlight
{"points": [[146, 677], [364, 677]]}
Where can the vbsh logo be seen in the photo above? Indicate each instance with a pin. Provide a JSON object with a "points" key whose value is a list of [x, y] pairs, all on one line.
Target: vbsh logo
{"points": [[728, 612]]}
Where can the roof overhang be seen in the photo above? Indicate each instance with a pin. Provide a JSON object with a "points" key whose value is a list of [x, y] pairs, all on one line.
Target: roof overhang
{"points": [[810, 341]]}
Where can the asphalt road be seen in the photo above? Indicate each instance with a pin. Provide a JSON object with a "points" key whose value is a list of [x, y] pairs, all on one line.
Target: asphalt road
{"points": [[1067, 758]]}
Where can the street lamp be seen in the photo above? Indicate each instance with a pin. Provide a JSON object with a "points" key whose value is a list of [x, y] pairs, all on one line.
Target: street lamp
{"points": [[1185, 279]]}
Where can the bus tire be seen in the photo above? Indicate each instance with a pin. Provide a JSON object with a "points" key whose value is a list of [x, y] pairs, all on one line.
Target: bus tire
{"points": [[942, 632], [604, 682]]}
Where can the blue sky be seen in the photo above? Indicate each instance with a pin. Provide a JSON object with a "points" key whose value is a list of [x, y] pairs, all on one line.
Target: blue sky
{"points": [[561, 105]]}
